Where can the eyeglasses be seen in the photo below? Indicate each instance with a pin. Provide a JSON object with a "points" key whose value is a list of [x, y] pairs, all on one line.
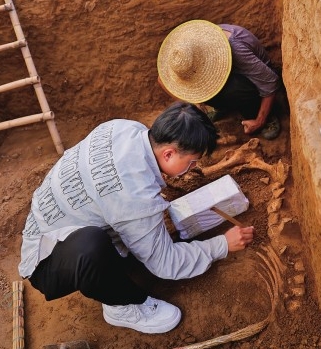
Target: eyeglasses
{"points": [[188, 167]]}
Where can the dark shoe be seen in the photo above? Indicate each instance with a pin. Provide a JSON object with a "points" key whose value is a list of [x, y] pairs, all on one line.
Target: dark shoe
{"points": [[272, 128]]}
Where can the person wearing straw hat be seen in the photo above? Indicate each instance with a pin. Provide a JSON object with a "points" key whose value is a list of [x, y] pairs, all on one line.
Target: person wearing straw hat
{"points": [[102, 200], [222, 66]]}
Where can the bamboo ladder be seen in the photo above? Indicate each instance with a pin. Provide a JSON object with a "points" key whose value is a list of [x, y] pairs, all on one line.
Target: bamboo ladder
{"points": [[47, 115]]}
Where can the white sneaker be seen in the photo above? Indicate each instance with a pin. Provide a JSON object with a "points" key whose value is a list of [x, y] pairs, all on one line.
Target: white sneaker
{"points": [[153, 316]]}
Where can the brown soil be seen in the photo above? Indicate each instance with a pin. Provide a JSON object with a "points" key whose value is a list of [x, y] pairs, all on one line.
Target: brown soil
{"points": [[228, 297]]}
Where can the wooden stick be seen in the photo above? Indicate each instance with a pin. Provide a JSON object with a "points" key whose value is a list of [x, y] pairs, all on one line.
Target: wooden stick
{"points": [[227, 217], [18, 334]]}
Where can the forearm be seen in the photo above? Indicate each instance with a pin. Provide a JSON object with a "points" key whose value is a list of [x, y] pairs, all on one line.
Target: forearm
{"points": [[184, 260], [166, 259], [253, 125], [265, 108]]}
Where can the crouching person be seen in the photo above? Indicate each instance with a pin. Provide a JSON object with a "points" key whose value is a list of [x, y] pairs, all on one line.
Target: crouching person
{"points": [[102, 200]]}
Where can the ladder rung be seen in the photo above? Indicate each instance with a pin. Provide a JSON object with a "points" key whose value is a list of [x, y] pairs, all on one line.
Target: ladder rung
{"points": [[6, 7], [14, 44], [20, 83], [25, 120]]}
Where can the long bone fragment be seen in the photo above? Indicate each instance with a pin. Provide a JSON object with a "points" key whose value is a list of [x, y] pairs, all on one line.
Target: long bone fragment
{"points": [[247, 156], [246, 153]]}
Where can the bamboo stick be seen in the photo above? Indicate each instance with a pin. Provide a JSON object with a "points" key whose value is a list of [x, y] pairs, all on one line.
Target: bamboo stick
{"points": [[14, 44], [18, 315], [25, 120], [55, 136], [6, 7], [19, 83]]}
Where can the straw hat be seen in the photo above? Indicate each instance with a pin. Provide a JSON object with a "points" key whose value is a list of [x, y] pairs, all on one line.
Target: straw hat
{"points": [[194, 61]]}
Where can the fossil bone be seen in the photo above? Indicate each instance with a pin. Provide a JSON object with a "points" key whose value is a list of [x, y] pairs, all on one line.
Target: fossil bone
{"points": [[248, 157], [242, 155]]}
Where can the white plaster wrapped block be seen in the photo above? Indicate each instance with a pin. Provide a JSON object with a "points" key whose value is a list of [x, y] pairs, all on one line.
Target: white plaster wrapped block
{"points": [[192, 214]]}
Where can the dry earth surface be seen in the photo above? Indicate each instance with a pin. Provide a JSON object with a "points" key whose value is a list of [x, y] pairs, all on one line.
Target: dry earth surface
{"points": [[85, 87], [229, 297]]}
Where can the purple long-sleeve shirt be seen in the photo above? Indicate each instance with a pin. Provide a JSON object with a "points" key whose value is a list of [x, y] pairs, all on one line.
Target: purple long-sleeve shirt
{"points": [[250, 59]]}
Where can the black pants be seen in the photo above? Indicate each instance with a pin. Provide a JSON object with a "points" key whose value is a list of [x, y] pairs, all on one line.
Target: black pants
{"points": [[238, 94], [88, 262]]}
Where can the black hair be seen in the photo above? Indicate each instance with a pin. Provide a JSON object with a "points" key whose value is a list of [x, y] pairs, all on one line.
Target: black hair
{"points": [[187, 126]]}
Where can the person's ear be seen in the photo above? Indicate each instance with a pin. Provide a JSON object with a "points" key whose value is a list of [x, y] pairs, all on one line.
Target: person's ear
{"points": [[168, 153]]}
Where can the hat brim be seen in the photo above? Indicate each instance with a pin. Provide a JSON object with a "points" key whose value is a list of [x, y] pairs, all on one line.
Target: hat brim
{"points": [[212, 68]]}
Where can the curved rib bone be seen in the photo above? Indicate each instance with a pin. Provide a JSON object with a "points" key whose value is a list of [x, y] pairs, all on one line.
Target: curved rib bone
{"points": [[278, 172]]}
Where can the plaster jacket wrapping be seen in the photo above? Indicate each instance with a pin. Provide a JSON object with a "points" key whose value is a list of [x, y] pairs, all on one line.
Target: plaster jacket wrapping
{"points": [[192, 214]]}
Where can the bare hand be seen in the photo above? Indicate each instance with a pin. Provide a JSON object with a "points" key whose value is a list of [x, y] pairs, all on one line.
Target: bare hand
{"points": [[251, 126], [238, 238]]}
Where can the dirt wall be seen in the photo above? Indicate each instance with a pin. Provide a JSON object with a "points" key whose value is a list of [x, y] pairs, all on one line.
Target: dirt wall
{"points": [[105, 51], [301, 50]]}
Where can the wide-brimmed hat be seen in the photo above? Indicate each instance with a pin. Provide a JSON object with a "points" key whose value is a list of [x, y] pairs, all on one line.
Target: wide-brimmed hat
{"points": [[194, 61]]}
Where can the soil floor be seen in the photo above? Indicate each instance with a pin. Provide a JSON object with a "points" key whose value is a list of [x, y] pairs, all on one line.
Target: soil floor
{"points": [[232, 295]]}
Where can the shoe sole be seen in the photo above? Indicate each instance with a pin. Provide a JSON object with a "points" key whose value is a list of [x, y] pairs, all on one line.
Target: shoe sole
{"points": [[146, 329]]}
